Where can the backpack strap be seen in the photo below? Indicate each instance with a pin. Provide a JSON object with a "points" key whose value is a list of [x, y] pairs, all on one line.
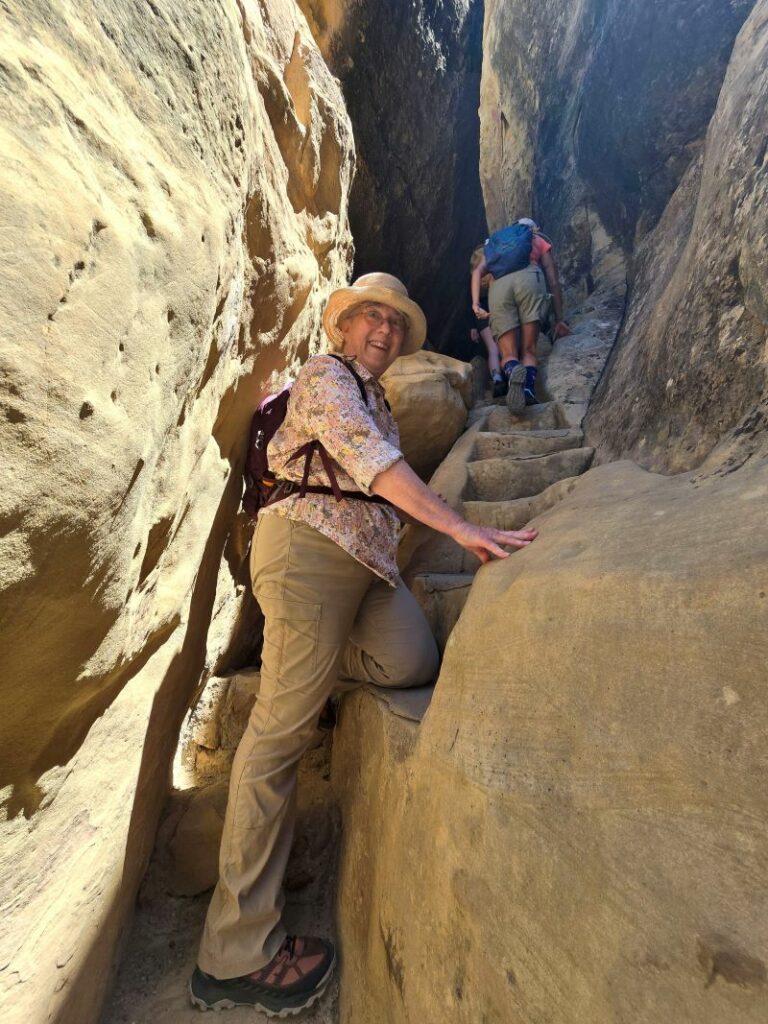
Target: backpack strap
{"points": [[355, 374], [358, 378], [308, 450]]}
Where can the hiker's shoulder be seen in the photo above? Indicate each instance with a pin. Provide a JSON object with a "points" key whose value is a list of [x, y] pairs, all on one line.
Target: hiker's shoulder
{"points": [[323, 372], [326, 367]]}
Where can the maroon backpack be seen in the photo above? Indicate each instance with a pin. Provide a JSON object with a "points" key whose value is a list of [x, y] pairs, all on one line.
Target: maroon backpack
{"points": [[262, 487]]}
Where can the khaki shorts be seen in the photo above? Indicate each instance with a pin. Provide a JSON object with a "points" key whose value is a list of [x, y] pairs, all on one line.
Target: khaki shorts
{"points": [[516, 299]]}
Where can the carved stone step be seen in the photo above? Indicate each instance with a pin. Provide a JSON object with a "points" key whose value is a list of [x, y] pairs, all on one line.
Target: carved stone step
{"points": [[522, 443], [546, 416], [504, 479], [517, 513]]}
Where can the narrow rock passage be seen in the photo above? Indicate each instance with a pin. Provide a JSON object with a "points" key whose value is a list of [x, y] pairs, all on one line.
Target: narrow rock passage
{"points": [[513, 467], [502, 471]]}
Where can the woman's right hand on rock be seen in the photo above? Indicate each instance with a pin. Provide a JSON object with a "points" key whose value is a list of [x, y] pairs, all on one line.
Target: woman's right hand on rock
{"points": [[485, 542]]}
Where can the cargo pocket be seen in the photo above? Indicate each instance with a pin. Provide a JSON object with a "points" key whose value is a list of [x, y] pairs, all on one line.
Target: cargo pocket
{"points": [[291, 630]]}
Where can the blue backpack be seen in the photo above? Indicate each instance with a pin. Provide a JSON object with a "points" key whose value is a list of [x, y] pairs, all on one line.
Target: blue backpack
{"points": [[508, 250]]}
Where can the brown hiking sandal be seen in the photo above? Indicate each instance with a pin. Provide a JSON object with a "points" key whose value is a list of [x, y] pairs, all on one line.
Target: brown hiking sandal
{"points": [[294, 979]]}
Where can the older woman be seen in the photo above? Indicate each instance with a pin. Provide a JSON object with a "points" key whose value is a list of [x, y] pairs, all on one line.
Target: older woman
{"points": [[325, 576]]}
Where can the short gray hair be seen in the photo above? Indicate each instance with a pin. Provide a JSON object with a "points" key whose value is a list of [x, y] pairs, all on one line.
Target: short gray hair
{"points": [[353, 311]]}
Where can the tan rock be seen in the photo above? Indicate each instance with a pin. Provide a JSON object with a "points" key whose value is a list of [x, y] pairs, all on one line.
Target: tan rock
{"points": [[581, 817], [175, 205], [429, 394], [194, 848], [693, 349], [497, 479], [215, 724]]}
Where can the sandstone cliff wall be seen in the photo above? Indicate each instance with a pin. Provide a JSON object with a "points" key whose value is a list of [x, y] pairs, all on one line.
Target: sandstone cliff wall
{"points": [[591, 113], [175, 188], [693, 350]]}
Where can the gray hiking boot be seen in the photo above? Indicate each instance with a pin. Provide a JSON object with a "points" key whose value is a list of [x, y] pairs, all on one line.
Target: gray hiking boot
{"points": [[295, 978], [498, 385], [515, 384]]}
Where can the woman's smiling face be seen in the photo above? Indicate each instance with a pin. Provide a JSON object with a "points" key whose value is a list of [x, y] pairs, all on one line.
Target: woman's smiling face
{"points": [[374, 336]]}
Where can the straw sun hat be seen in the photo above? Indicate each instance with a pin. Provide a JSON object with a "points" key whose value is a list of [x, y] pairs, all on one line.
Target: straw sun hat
{"points": [[376, 288]]}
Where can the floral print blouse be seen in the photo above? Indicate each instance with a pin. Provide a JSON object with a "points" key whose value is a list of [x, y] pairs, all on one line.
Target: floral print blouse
{"points": [[326, 405]]}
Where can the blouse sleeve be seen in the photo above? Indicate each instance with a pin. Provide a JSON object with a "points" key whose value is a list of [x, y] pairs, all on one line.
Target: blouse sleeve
{"points": [[328, 402]]}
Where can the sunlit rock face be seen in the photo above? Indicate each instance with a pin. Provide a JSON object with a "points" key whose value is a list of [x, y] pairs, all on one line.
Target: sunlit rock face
{"points": [[591, 113], [411, 79], [175, 199], [429, 394]]}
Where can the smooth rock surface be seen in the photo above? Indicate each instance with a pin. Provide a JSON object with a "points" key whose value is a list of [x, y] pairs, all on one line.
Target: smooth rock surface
{"points": [[689, 370], [175, 205], [590, 114], [584, 796]]}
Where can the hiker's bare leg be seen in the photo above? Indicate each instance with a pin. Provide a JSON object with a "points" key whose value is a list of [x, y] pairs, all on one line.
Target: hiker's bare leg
{"points": [[507, 343], [492, 350], [530, 337]]}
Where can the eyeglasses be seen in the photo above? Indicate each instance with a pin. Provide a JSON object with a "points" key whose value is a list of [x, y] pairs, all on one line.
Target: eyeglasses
{"points": [[396, 323]]}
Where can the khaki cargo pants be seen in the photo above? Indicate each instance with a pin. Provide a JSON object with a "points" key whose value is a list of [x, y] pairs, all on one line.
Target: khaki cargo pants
{"points": [[327, 617]]}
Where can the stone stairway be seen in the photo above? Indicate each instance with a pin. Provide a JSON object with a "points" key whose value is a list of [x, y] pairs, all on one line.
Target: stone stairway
{"points": [[510, 465], [505, 470]]}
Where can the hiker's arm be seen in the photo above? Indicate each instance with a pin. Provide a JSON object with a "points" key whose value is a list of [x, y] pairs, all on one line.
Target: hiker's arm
{"points": [[477, 276], [400, 485], [553, 280]]}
